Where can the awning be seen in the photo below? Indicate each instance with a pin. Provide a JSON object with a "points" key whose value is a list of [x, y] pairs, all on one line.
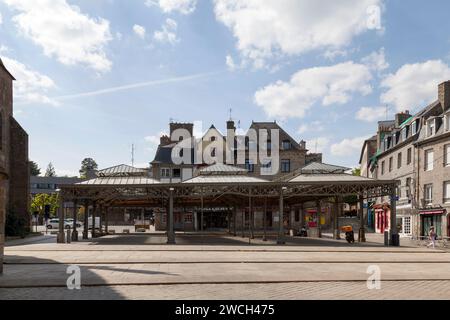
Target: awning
{"points": [[433, 212]]}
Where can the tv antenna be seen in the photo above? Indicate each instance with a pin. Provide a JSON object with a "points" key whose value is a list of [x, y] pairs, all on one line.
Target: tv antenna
{"points": [[231, 112]]}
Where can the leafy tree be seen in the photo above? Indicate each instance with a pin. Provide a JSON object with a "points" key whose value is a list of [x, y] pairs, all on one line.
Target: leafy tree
{"points": [[50, 172], [87, 165], [34, 169], [356, 172], [40, 200]]}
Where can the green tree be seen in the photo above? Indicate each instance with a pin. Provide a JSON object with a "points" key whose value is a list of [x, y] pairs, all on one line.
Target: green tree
{"points": [[356, 172], [39, 202], [50, 172], [34, 169], [87, 165]]}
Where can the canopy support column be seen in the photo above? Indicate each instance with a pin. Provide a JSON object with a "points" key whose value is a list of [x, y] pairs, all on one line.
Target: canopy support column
{"points": [[61, 237], [336, 214], [394, 240], [250, 214], [234, 221], [264, 221], [108, 209], [94, 213], [201, 212], [86, 220], [170, 228], [75, 216], [319, 215], [362, 230], [280, 239]]}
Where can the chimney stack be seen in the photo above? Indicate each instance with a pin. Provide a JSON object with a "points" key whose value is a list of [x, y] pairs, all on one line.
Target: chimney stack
{"points": [[444, 95], [401, 117]]}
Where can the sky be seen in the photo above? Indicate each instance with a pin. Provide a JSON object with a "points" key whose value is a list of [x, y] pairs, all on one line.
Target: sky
{"points": [[95, 77]]}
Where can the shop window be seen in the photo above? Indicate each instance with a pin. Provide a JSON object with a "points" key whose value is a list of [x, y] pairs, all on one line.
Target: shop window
{"points": [[407, 225], [297, 215], [188, 218]]}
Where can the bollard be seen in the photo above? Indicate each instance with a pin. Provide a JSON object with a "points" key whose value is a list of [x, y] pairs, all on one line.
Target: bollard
{"points": [[68, 236]]}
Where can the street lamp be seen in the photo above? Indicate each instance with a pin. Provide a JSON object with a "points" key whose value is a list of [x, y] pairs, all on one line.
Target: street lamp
{"points": [[281, 218]]}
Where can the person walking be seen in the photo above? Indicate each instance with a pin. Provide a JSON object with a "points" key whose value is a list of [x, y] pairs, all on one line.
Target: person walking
{"points": [[432, 235]]}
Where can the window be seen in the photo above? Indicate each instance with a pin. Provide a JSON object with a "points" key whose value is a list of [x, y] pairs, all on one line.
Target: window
{"points": [[269, 145], [177, 173], [213, 139], [165, 173], [447, 192], [409, 156], [266, 167], [429, 160], [405, 133], [406, 225], [286, 145], [447, 122], [447, 155], [213, 152], [382, 167], [285, 166], [188, 218], [399, 160], [414, 127], [430, 128], [391, 160], [408, 189], [428, 189], [249, 166]]}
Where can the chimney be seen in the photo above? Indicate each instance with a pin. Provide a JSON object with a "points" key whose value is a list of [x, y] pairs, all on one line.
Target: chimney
{"points": [[401, 117], [187, 126], [302, 144], [164, 140], [230, 125], [444, 95]]}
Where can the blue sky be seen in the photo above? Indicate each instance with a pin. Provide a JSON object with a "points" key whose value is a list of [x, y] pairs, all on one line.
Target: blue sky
{"points": [[94, 77]]}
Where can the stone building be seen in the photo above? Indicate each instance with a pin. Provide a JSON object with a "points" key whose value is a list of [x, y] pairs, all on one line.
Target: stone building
{"points": [[14, 168], [412, 149], [433, 166]]}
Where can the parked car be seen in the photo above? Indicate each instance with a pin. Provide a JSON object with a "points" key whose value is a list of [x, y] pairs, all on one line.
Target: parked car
{"points": [[70, 220], [54, 224]]}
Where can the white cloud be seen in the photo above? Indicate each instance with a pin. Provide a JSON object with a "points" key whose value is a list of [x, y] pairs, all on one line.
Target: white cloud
{"points": [[168, 6], [414, 85], [30, 86], [139, 30], [326, 85], [371, 114], [1, 18], [63, 31], [230, 63], [267, 29], [318, 145], [314, 126], [168, 33], [154, 140], [348, 147], [376, 60]]}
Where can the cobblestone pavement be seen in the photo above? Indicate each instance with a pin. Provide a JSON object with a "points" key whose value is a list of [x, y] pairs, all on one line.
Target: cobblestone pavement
{"points": [[395, 290], [221, 267]]}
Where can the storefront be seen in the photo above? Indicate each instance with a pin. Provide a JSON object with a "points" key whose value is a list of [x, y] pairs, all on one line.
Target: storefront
{"points": [[432, 217]]}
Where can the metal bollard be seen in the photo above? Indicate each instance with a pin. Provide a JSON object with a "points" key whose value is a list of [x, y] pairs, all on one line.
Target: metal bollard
{"points": [[69, 238]]}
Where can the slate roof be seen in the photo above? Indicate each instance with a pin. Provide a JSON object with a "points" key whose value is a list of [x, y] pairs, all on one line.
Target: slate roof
{"points": [[317, 167]]}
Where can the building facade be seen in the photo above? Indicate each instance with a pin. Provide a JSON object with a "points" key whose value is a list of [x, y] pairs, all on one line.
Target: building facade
{"points": [[412, 149], [14, 168]]}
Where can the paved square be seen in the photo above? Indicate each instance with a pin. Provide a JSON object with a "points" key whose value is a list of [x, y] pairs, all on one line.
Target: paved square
{"points": [[221, 267]]}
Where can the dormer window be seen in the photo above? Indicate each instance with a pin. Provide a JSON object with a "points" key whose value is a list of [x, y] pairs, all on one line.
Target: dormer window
{"points": [[414, 127], [405, 133], [447, 122], [431, 127]]}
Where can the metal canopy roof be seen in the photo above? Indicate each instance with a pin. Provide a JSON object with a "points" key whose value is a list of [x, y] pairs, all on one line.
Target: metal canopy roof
{"points": [[331, 178], [317, 167], [121, 170], [225, 179], [220, 168], [119, 181]]}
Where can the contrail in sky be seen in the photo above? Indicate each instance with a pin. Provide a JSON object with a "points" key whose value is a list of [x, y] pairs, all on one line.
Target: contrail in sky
{"points": [[136, 85]]}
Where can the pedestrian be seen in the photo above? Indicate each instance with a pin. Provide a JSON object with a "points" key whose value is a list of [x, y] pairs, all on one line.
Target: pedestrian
{"points": [[432, 236]]}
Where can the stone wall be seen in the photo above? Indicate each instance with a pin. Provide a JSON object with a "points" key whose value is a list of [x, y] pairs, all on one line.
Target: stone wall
{"points": [[19, 186]]}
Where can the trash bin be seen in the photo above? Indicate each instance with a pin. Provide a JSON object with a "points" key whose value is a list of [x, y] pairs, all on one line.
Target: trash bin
{"points": [[395, 240]]}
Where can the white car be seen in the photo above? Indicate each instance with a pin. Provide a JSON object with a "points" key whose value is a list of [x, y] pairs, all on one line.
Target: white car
{"points": [[54, 224], [70, 220]]}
